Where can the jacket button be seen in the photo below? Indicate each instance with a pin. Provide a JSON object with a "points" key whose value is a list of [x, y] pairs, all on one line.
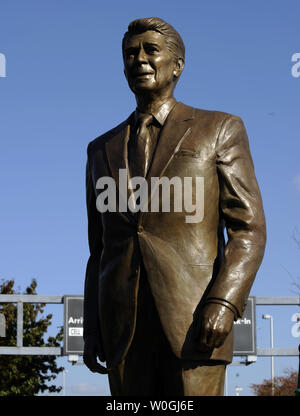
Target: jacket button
{"points": [[140, 229]]}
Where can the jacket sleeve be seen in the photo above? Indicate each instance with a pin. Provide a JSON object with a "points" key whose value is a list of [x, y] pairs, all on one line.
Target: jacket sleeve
{"points": [[91, 316], [242, 211]]}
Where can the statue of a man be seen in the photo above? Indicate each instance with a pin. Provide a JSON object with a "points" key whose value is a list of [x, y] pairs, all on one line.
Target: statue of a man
{"points": [[162, 286]]}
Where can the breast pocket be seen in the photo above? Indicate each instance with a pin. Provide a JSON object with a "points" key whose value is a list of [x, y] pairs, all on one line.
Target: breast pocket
{"points": [[188, 155], [190, 163]]}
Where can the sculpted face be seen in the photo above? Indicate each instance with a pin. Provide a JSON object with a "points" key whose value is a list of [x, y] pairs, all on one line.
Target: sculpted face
{"points": [[148, 64]]}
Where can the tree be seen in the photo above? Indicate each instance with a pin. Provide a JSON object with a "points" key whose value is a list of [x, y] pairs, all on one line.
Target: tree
{"points": [[27, 375], [283, 386]]}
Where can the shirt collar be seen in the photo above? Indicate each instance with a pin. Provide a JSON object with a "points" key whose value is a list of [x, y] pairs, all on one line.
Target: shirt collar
{"points": [[162, 112]]}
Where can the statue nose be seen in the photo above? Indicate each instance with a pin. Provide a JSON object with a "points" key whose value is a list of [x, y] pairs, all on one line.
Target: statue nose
{"points": [[141, 57]]}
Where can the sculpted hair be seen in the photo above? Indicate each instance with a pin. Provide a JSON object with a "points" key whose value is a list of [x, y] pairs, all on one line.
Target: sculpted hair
{"points": [[173, 39]]}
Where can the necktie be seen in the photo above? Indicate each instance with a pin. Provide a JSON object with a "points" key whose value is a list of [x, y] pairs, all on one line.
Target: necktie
{"points": [[142, 145]]}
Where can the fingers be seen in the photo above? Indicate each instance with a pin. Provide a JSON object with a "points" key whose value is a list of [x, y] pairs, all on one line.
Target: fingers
{"points": [[205, 335], [92, 350], [216, 323], [90, 360], [210, 336], [98, 350]]}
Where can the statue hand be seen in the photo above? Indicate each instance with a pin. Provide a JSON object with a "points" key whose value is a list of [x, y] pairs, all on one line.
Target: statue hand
{"points": [[92, 350], [215, 324]]}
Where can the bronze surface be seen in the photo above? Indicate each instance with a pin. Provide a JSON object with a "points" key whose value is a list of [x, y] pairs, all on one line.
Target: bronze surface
{"points": [[199, 283]]}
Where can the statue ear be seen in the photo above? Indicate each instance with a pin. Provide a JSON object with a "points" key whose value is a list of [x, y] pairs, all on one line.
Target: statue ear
{"points": [[179, 65]]}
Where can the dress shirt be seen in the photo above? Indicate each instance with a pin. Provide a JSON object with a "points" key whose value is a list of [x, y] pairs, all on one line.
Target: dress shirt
{"points": [[159, 117]]}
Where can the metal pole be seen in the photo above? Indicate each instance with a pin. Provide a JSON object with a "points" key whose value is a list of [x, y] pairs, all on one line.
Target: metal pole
{"points": [[272, 357], [64, 372], [297, 392], [2, 325], [63, 382], [20, 324], [267, 316]]}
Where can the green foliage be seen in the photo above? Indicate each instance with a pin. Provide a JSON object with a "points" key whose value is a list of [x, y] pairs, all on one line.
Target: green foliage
{"points": [[283, 385], [27, 375]]}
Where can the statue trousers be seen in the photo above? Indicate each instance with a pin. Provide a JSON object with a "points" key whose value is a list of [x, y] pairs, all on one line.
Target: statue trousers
{"points": [[150, 366]]}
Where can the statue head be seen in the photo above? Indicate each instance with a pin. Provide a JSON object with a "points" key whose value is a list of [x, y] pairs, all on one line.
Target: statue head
{"points": [[153, 54]]}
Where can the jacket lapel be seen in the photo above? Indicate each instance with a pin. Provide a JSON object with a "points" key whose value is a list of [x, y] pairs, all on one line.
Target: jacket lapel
{"points": [[174, 131], [117, 156]]}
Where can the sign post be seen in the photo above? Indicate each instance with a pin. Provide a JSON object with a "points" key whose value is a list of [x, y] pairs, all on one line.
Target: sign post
{"points": [[245, 331], [2, 325], [244, 328], [73, 325]]}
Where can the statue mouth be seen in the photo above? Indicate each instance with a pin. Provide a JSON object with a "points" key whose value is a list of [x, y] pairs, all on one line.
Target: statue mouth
{"points": [[143, 74]]}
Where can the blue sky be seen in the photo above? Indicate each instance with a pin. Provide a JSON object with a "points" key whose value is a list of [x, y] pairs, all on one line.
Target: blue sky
{"points": [[65, 86]]}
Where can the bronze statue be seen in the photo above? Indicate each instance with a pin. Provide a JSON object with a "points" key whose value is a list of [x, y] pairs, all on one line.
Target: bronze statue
{"points": [[163, 288]]}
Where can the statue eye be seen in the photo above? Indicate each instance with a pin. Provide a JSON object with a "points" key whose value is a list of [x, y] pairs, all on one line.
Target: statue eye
{"points": [[151, 50], [130, 52]]}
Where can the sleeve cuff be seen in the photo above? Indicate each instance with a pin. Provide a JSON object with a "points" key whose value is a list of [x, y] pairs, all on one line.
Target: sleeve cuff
{"points": [[229, 305]]}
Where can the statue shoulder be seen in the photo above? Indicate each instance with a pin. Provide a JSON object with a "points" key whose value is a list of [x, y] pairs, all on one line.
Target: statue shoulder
{"points": [[212, 121], [99, 142], [214, 115]]}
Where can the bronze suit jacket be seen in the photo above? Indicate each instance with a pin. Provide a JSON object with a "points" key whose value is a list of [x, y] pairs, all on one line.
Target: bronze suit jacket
{"points": [[186, 263]]}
